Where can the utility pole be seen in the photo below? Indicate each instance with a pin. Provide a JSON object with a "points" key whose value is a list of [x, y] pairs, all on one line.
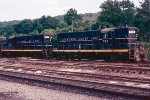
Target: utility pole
{"points": [[72, 26], [123, 13]]}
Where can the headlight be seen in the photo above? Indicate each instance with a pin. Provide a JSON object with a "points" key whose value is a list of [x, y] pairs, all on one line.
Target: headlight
{"points": [[132, 31], [46, 37]]}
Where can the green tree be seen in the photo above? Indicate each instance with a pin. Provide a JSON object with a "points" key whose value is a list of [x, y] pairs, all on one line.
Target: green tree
{"points": [[25, 27], [48, 22], [38, 26], [62, 25], [127, 12], [71, 16], [101, 25], [49, 32], [143, 18], [117, 13], [7, 31]]}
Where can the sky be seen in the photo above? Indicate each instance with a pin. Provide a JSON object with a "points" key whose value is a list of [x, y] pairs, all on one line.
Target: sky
{"points": [[32, 9]]}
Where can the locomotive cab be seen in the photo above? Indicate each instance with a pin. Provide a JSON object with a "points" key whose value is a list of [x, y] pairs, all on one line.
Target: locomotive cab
{"points": [[126, 39], [136, 50]]}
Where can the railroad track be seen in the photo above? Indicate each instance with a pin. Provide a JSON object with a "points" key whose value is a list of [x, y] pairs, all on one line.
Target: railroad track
{"points": [[102, 63], [85, 80], [86, 62], [75, 73], [76, 78], [117, 68], [102, 70]]}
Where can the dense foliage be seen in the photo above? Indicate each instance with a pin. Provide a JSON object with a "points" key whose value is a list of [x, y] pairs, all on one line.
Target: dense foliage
{"points": [[142, 18], [71, 16], [113, 13]]}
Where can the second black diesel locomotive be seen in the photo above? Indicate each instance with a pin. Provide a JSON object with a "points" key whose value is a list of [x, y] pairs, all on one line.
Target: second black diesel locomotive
{"points": [[108, 44], [33, 46]]}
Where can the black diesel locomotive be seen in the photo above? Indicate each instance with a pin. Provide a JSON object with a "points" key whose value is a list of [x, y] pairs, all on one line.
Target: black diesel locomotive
{"points": [[108, 44], [33, 46]]}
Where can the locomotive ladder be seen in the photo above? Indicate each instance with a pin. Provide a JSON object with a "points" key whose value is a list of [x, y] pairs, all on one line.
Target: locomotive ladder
{"points": [[131, 55]]}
